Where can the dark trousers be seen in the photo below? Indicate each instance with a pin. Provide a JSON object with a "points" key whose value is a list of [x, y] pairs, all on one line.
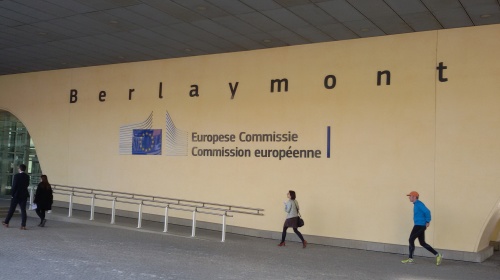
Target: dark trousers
{"points": [[283, 235], [40, 213], [419, 232], [13, 204]]}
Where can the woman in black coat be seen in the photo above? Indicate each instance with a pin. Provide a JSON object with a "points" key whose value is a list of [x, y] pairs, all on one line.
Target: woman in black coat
{"points": [[43, 199]]}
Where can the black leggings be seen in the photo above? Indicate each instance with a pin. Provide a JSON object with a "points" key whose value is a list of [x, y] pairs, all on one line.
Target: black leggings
{"points": [[419, 232], [40, 213], [283, 235]]}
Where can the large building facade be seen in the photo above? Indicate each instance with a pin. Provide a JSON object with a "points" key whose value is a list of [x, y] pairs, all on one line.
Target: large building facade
{"points": [[351, 126]]}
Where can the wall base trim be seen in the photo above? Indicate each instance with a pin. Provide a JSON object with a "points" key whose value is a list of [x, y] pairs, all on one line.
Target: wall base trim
{"points": [[495, 245], [312, 239]]}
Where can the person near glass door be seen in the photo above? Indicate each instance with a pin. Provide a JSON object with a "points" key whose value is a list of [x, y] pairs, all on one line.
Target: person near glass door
{"points": [[20, 196], [43, 199]]}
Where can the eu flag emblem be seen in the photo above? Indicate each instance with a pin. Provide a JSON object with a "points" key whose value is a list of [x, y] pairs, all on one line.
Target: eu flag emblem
{"points": [[146, 142]]}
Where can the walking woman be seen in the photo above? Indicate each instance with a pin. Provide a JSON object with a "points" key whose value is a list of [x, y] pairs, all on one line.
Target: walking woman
{"points": [[43, 199], [292, 218]]}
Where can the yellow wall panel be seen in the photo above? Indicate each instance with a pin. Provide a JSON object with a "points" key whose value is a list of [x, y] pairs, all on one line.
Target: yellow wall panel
{"points": [[468, 129], [439, 138]]}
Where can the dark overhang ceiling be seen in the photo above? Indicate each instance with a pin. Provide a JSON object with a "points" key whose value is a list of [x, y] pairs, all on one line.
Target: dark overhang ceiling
{"points": [[41, 35]]}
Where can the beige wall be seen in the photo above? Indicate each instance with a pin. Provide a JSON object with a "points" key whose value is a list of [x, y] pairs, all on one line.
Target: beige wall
{"points": [[467, 146], [439, 138]]}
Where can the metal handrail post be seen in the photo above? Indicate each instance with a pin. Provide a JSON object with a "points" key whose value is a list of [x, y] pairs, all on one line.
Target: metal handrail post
{"points": [[70, 207], [165, 228], [92, 205], [193, 232], [113, 211], [139, 222], [31, 197], [223, 227]]}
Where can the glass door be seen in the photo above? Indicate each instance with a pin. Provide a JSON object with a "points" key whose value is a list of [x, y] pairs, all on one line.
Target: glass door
{"points": [[16, 147]]}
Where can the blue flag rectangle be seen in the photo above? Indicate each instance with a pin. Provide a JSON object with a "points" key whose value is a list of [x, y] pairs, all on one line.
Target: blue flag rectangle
{"points": [[146, 142]]}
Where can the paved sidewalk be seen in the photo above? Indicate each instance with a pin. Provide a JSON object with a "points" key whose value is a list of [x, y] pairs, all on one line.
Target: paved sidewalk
{"points": [[82, 249]]}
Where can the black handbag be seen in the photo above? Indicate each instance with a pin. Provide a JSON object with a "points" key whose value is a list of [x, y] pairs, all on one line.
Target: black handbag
{"points": [[300, 222]]}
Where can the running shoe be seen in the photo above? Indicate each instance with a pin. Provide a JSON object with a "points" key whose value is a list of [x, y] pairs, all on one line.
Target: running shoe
{"points": [[439, 259], [408, 261]]}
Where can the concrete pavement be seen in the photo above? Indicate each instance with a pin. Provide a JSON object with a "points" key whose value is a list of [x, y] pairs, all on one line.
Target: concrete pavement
{"points": [[80, 249]]}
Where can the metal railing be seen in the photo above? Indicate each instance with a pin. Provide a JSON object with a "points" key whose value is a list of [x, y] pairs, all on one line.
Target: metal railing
{"points": [[169, 204]]}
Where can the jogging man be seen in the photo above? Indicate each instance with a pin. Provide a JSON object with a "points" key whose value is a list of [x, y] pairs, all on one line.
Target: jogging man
{"points": [[421, 219]]}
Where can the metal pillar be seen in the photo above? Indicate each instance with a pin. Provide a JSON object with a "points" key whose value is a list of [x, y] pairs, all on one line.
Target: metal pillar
{"points": [[92, 205], [223, 227], [165, 228], [193, 232], [70, 207], [139, 222], [31, 197], [113, 211]]}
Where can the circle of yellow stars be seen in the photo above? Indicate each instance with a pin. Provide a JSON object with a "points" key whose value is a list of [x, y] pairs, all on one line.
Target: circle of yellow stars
{"points": [[150, 135]]}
